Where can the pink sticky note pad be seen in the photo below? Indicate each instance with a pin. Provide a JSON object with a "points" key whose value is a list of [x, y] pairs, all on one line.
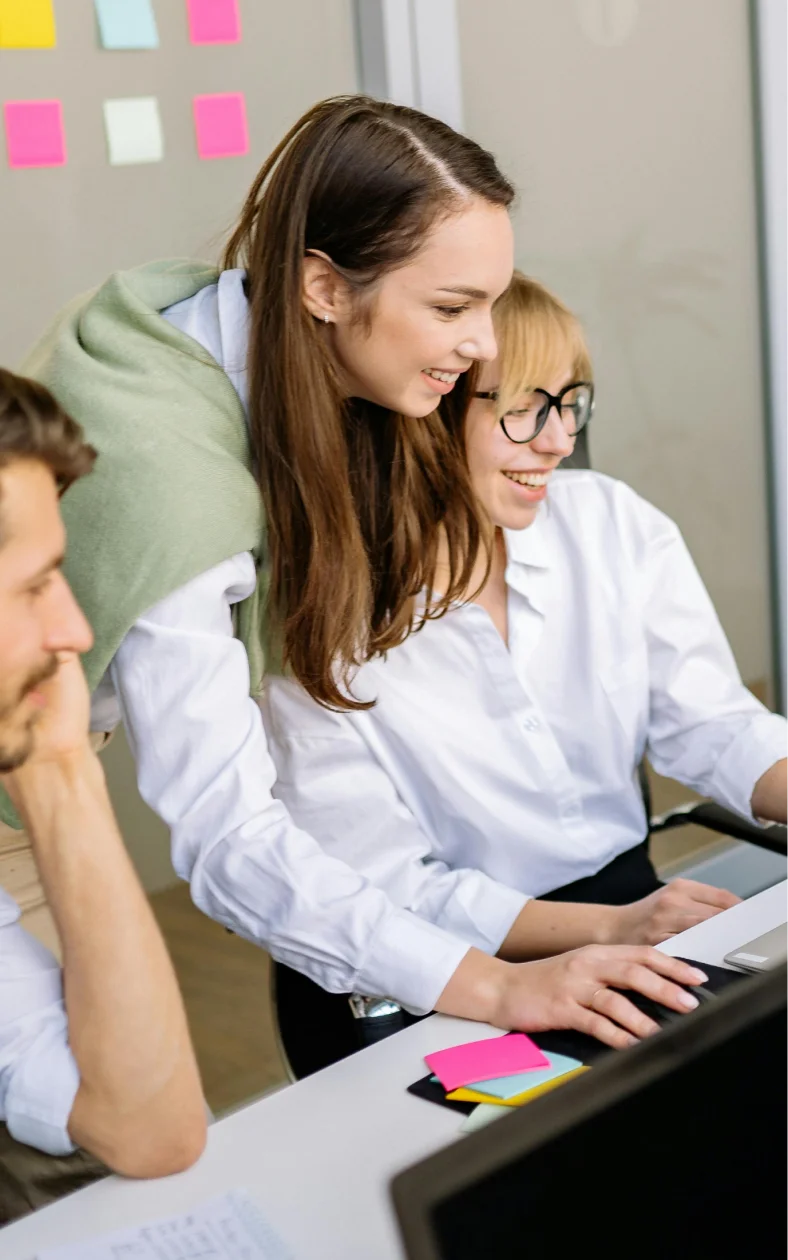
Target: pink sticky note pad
{"points": [[34, 133], [214, 21], [484, 1060], [221, 125]]}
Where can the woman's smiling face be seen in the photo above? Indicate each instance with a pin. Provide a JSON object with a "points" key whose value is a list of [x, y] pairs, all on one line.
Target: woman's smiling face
{"points": [[511, 479], [430, 319]]}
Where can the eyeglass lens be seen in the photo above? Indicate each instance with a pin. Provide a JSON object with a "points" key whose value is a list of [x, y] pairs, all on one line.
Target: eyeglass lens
{"points": [[574, 405]]}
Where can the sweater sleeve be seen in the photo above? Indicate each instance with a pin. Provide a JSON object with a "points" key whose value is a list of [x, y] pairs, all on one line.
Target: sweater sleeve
{"points": [[203, 764]]}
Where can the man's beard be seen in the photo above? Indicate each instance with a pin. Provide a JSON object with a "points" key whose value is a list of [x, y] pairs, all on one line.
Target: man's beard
{"points": [[14, 753]]}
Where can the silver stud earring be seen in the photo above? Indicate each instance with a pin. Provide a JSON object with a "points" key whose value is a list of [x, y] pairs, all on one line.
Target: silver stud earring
{"points": [[326, 320]]}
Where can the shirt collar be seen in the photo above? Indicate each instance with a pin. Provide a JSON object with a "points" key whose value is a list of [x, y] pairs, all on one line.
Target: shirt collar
{"points": [[530, 554], [532, 547]]}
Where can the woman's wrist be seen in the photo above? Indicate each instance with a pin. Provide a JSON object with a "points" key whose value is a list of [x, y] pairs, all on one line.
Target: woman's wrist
{"points": [[610, 926], [477, 988], [40, 788]]}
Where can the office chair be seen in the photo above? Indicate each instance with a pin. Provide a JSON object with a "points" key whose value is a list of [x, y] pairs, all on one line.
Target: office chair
{"points": [[704, 813]]}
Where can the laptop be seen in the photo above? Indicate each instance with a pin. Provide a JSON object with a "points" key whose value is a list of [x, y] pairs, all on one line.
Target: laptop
{"points": [[762, 954], [675, 1148]]}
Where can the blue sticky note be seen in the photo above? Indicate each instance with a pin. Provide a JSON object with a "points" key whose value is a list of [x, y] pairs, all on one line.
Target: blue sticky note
{"points": [[127, 24], [511, 1086]]}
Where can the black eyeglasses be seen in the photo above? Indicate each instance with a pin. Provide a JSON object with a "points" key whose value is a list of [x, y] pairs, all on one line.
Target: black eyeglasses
{"points": [[574, 404]]}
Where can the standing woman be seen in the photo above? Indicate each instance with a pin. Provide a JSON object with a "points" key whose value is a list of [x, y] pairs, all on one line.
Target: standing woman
{"points": [[270, 438]]}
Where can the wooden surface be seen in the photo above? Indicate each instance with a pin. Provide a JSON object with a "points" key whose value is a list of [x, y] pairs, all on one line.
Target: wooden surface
{"points": [[224, 981]]}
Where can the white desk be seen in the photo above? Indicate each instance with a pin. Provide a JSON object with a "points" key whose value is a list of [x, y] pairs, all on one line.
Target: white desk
{"points": [[318, 1155]]}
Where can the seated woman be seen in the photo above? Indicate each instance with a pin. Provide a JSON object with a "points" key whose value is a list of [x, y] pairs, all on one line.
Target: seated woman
{"points": [[494, 778]]}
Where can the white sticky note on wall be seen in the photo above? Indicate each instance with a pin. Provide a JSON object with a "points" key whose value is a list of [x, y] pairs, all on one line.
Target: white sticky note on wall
{"points": [[134, 132]]}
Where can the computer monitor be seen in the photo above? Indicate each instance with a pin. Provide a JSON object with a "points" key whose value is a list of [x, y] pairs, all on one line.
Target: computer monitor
{"points": [[673, 1149]]}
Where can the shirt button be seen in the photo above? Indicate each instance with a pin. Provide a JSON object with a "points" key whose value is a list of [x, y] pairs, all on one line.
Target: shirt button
{"points": [[531, 724]]}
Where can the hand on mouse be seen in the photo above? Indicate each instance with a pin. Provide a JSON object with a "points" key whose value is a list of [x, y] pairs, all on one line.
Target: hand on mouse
{"points": [[574, 991], [674, 908]]}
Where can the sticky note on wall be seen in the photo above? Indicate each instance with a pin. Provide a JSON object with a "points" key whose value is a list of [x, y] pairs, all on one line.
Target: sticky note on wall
{"points": [[214, 21], [27, 24], [34, 133], [134, 133], [127, 24], [220, 123]]}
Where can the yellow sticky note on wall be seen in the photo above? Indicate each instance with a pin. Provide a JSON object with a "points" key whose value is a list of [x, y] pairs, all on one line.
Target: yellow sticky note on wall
{"points": [[27, 24]]}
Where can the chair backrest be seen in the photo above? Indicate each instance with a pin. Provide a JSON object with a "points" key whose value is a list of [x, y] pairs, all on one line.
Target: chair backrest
{"points": [[580, 457]]}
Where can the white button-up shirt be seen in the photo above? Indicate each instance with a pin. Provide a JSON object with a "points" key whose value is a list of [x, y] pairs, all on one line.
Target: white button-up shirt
{"points": [[180, 683], [38, 1074], [485, 775]]}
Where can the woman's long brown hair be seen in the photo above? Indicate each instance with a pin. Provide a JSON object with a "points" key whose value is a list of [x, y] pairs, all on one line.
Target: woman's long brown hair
{"points": [[357, 498]]}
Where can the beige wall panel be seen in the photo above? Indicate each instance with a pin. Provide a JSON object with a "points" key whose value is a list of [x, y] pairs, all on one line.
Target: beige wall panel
{"points": [[626, 125]]}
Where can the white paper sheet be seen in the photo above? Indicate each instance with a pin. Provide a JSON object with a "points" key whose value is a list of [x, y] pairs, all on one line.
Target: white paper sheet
{"points": [[230, 1227]]}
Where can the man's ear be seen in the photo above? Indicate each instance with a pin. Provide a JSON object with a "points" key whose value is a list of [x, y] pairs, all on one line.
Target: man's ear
{"points": [[325, 293]]}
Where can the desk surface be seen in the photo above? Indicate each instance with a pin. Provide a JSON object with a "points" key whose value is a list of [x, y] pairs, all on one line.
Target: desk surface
{"points": [[318, 1155]]}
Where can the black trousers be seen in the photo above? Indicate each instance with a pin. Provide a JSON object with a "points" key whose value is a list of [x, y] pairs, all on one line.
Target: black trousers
{"points": [[318, 1028], [30, 1179]]}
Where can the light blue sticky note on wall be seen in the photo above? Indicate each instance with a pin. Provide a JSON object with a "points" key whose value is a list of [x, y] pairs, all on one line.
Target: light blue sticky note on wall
{"points": [[127, 24]]}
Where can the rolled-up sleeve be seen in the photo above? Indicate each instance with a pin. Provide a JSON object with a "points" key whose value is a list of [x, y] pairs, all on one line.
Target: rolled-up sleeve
{"points": [[706, 729], [38, 1074], [204, 766]]}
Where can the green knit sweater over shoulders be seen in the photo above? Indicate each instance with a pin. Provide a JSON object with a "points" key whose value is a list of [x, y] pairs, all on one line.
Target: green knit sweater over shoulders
{"points": [[172, 493]]}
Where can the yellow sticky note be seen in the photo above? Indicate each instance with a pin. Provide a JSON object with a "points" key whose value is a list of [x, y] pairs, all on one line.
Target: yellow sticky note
{"points": [[473, 1095], [27, 24]]}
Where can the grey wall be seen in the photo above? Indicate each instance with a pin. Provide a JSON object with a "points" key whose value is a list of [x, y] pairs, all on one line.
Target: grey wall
{"points": [[634, 161], [63, 229]]}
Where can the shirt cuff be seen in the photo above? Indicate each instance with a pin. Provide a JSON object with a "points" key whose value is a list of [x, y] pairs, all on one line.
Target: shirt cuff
{"points": [[481, 911], [40, 1097], [749, 756], [410, 961]]}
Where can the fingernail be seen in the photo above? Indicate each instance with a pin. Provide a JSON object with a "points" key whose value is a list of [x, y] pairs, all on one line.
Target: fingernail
{"points": [[699, 977], [689, 1000]]}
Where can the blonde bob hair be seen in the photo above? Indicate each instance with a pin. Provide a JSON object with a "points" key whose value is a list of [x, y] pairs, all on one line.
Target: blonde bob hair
{"points": [[537, 336]]}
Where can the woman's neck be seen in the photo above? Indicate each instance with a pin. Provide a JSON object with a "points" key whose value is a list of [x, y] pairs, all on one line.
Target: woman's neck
{"points": [[489, 591]]}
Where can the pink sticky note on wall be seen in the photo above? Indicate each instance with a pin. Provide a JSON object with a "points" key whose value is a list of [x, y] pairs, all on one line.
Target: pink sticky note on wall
{"points": [[484, 1060], [214, 21], [34, 133], [221, 125]]}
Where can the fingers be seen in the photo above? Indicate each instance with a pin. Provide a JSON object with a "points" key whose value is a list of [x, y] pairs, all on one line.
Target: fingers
{"points": [[598, 1026], [719, 898], [673, 920], [663, 964], [643, 980], [622, 1012]]}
